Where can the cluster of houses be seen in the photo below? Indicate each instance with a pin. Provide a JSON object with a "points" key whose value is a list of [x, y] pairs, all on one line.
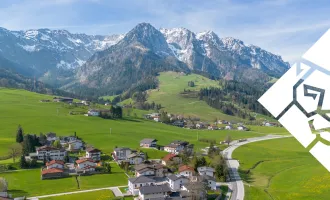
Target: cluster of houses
{"points": [[69, 101], [156, 179], [97, 112], [180, 121], [56, 167]]}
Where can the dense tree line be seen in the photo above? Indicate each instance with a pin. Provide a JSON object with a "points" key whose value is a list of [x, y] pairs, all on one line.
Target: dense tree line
{"points": [[115, 112], [234, 98]]}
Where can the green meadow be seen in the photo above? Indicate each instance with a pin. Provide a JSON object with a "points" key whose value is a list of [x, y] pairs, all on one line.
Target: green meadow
{"points": [[28, 182], [23, 107], [281, 169], [97, 195], [171, 84]]}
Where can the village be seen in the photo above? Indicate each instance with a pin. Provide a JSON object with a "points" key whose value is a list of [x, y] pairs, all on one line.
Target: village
{"points": [[171, 176]]}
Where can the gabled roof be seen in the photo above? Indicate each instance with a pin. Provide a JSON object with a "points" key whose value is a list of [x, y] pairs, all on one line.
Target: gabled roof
{"points": [[150, 189], [141, 179], [209, 178], [92, 150], [84, 160], [186, 168], [174, 177], [122, 148], [48, 148], [148, 140], [203, 169], [132, 155], [60, 162], [51, 171], [169, 157]]}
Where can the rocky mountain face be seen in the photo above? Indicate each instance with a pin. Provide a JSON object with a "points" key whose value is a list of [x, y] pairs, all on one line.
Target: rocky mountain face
{"points": [[117, 62], [51, 53]]}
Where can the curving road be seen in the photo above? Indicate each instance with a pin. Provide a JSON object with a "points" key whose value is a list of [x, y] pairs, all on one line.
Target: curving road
{"points": [[237, 185]]}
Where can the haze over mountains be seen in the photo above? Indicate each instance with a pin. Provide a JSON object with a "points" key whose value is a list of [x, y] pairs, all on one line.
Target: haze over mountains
{"points": [[115, 62]]}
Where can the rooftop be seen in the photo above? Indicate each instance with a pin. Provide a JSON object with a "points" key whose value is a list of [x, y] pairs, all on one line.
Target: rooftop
{"points": [[169, 157], [148, 140], [60, 162], [186, 168], [154, 189], [84, 160], [141, 179], [51, 171]]}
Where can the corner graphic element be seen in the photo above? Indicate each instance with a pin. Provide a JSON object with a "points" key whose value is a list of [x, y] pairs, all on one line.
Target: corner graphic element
{"points": [[300, 100]]}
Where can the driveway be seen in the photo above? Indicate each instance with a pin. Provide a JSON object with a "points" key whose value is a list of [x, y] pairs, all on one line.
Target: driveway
{"points": [[236, 183]]}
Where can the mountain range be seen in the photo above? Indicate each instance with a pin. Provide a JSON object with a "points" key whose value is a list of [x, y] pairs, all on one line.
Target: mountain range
{"points": [[114, 63]]}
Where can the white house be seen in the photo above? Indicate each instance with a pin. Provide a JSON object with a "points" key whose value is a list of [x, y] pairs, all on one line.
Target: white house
{"points": [[93, 153], [211, 182], [229, 127], [176, 147], [137, 182], [241, 128], [154, 192], [157, 119], [144, 171], [85, 165], [93, 112], [51, 137], [186, 171], [148, 142], [75, 145], [121, 153], [135, 158], [58, 164], [206, 171], [48, 152], [176, 182]]}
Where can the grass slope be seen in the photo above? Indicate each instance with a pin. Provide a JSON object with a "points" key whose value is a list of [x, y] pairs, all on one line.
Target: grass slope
{"points": [[282, 169], [22, 107], [171, 84]]}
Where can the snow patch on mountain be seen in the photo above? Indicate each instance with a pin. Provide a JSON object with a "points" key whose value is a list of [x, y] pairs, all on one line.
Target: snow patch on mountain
{"points": [[29, 48]]}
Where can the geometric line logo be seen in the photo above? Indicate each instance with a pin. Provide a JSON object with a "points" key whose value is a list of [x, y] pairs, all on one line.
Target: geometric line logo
{"points": [[300, 100]]}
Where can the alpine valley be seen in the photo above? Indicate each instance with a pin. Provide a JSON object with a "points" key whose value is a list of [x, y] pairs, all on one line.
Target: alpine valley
{"points": [[102, 65]]}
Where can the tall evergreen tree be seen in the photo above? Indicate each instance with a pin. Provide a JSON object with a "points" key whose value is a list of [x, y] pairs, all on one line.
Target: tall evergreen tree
{"points": [[22, 162], [19, 134]]}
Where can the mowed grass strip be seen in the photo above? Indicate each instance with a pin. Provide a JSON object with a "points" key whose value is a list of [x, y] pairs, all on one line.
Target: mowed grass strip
{"points": [[95, 195], [282, 169], [28, 182]]}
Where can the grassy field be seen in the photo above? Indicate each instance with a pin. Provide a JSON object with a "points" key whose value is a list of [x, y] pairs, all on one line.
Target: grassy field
{"points": [[282, 169], [171, 84], [22, 107], [28, 182], [96, 195]]}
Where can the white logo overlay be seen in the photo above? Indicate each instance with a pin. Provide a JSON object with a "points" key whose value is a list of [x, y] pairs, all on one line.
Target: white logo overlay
{"points": [[300, 100]]}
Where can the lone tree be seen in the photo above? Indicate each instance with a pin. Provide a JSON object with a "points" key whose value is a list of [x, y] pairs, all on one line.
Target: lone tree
{"points": [[14, 151], [19, 134], [22, 162], [57, 144], [228, 139], [3, 185]]}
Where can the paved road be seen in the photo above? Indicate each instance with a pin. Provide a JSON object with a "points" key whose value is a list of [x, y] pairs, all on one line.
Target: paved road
{"points": [[237, 185], [115, 190]]}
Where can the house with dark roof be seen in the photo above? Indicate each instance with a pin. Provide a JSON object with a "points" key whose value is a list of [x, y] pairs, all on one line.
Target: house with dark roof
{"points": [[148, 143], [156, 170], [154, 192], [121, 153], [93, 153], [171, 159], [211, 181], [49, 152], [206, 171], [176, 146], [177, 181], [137, 182], [135, 158]]}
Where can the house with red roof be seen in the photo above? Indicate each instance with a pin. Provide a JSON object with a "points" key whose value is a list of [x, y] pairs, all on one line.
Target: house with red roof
{"points": [[186, 171], [52, 173], [171, 159], [85, 165], [59, 164]]}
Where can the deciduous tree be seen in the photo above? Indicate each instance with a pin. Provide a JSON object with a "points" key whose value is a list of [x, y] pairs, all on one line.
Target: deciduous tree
{"points": [[15, 150]]}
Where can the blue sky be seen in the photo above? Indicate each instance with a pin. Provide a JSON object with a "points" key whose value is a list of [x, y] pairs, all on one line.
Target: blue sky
{"points": [[284, 27]]}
